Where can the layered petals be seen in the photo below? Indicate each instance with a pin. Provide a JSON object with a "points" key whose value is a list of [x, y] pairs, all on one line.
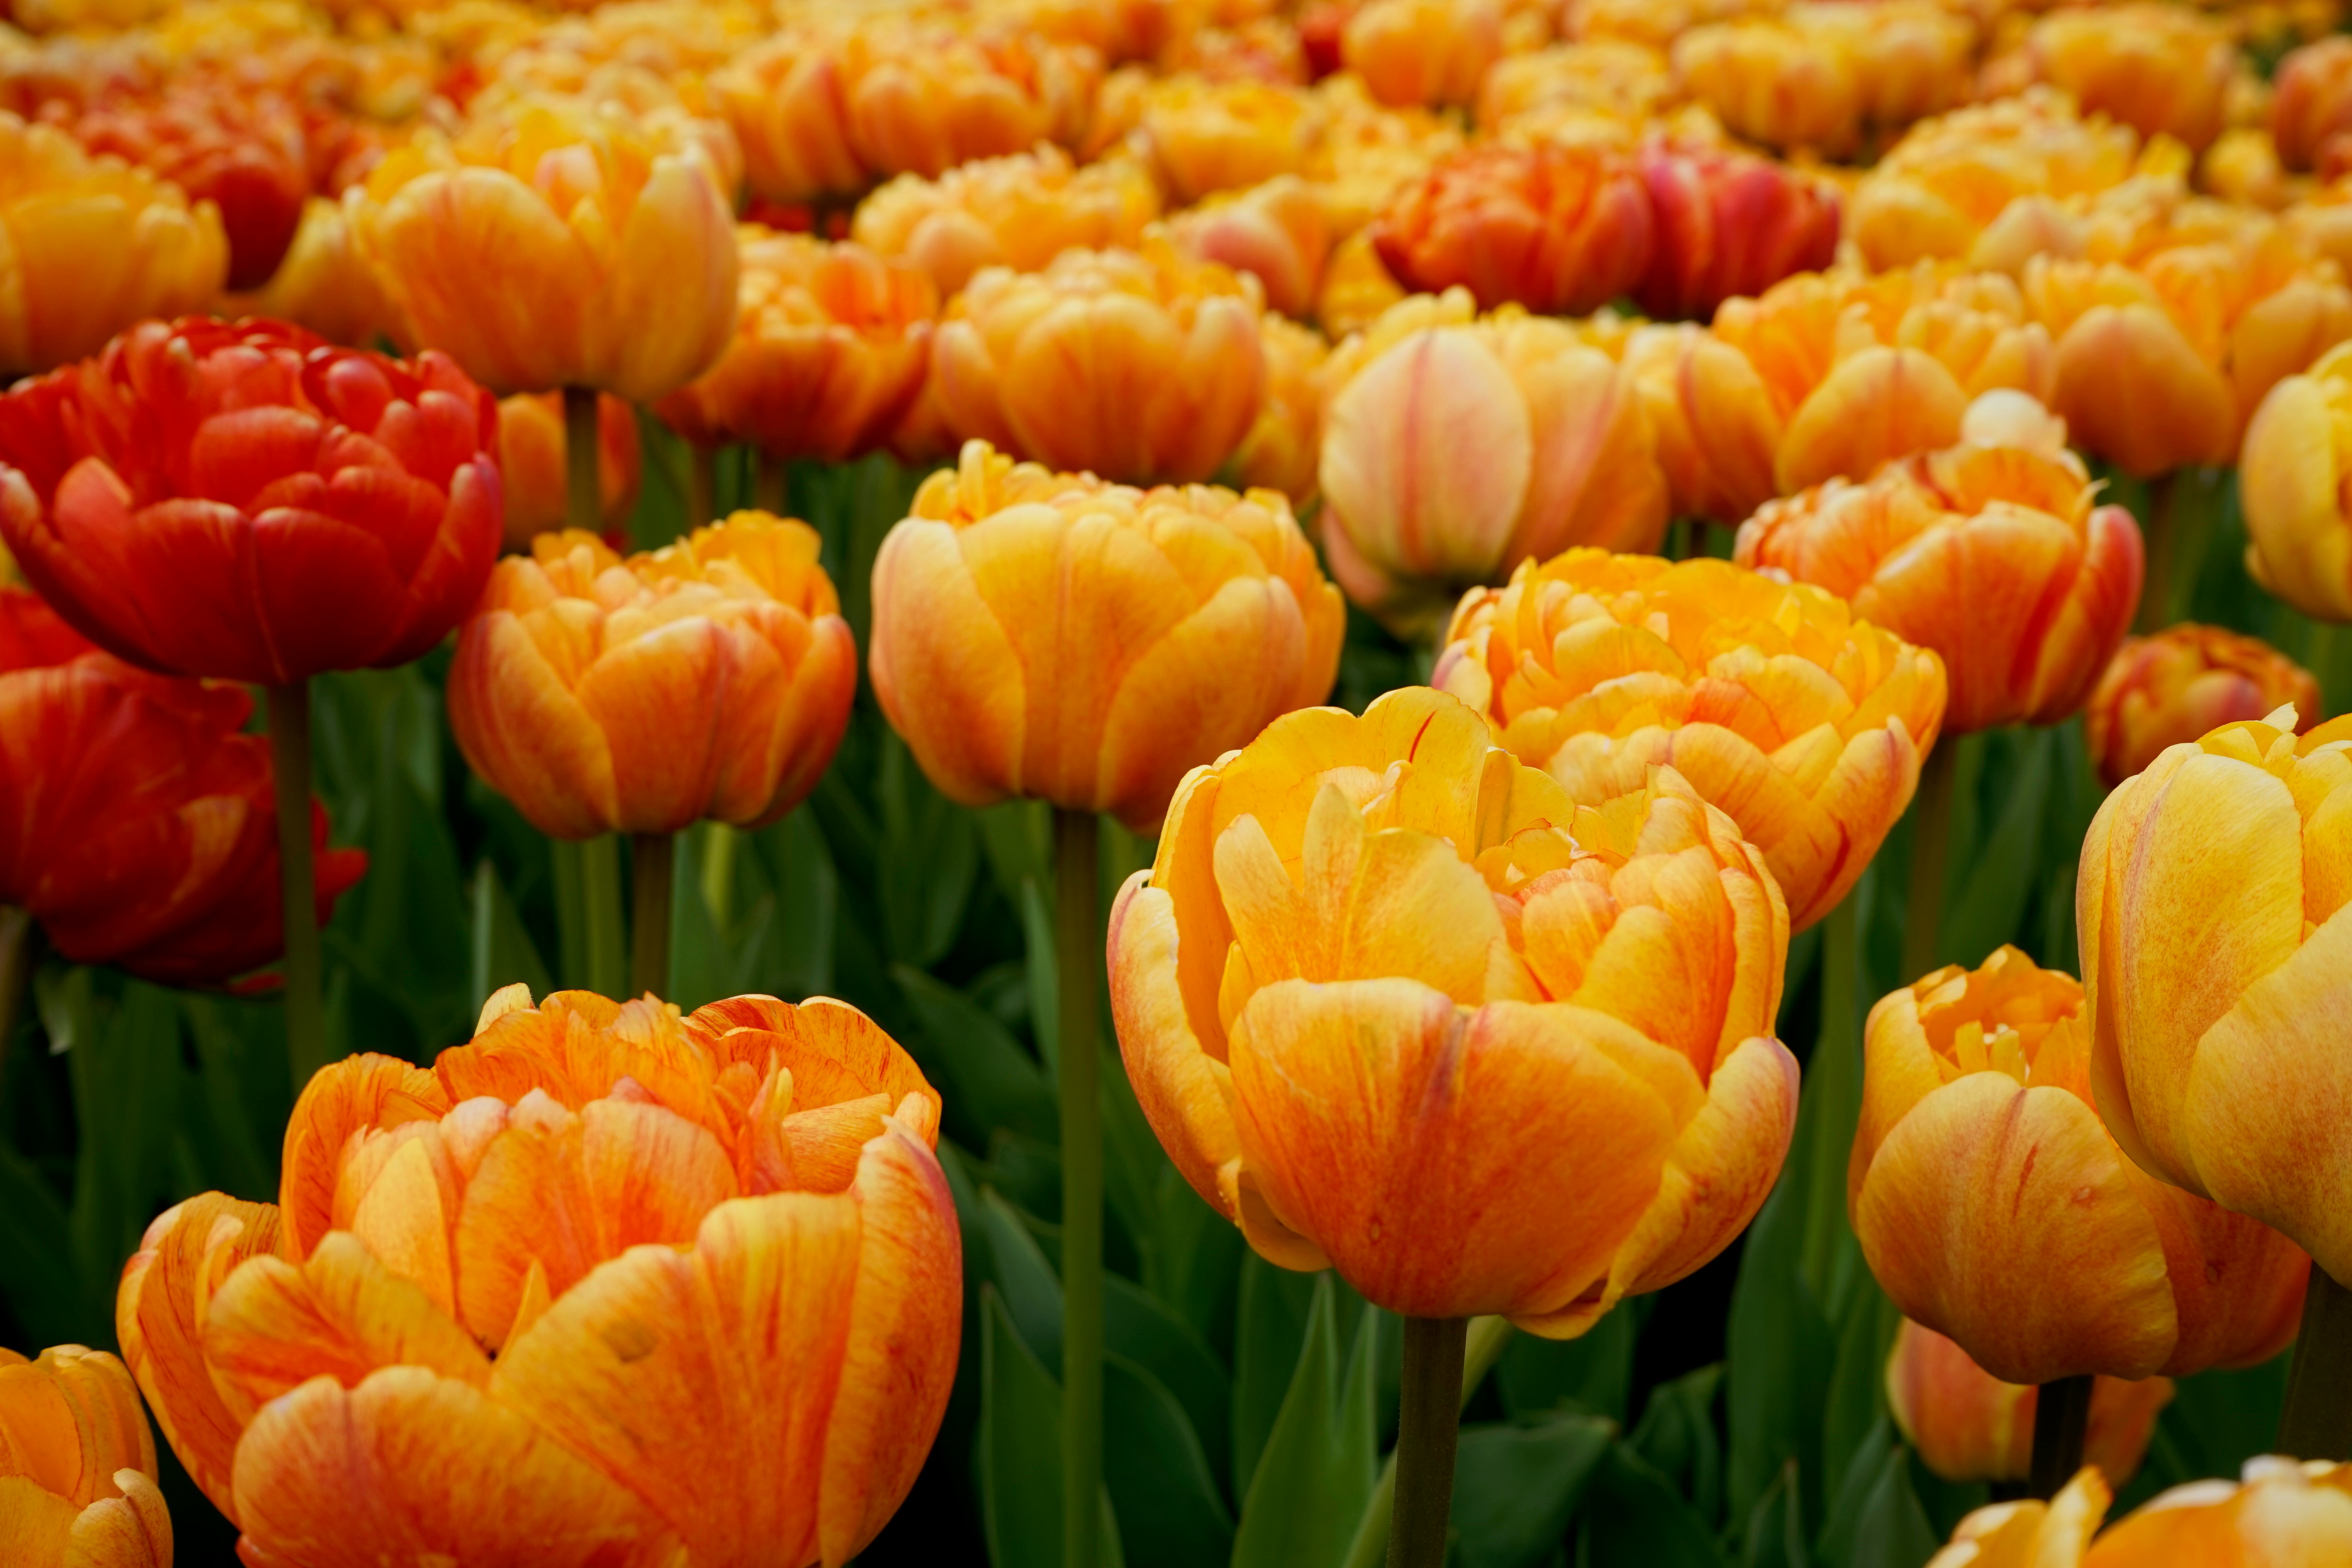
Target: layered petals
{"points": [[2170, 687], [1020, 211], [1969, 1426], [1557, 229], [76, 1465]]}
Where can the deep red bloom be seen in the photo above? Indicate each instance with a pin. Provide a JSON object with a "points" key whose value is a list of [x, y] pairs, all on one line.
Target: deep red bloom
{"points": [[1728, 223], [247, 503], [136, 819]]}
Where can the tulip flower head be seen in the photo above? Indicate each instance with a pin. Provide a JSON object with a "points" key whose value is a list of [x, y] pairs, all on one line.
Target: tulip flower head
{"points": [[1049, 635], [2031, 1533], [243, 502], [2292, 474], [76, 1465], [2181, 682], [1728, 223], [709, 678], [1283, 448], [2280, 1512], [605, 1284], [1282, 232], [1426, 52], [1969, 1426], [531, 446], [1205, 137], [2159, 68], [1772, 701], [1559, 230], [325, 284], [2311, 107], [1398, 1005], [1019, 211]]}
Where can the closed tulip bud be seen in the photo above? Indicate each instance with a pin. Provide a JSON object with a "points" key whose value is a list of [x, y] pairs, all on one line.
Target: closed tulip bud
{"points": [[1019, 211], [1559, 230], [1134, 365], [2031, 1533], [1728, 223], [2217, 962], [2173, 687], [1426, 52], [1204, 136], [325, 285], [247, 503], [531, 465], [830, 349], [1281, 232], [2282, 1513], [1994, 1207], [2311, 104], [1992, 554], [1455, 448], [1969, 1426], [76, 1465], [485, 1284], [619, 241], [2157, 69], [711, 677], [2291, 475], [1772, 701], [1283, 448], [91, 247], [1398, 1005], [1200, 614]]}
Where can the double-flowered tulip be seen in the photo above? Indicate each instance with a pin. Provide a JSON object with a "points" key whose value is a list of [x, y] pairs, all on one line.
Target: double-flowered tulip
{"points": [[1970, 1425], [2281, 1515], [1019, 211], [1728, 223], [1397, 1004], [606, 1285], [1560, 230], [2292, 476], [77, 1465], [2176, 684]]}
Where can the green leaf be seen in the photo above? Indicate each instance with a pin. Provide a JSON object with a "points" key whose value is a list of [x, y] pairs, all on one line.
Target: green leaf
{"points": [[930, 854], [1017, 837], [1779, 1350], [1594, 1372], [241, 1089], [125, 1065], [1776, 1530], [1633, 1515], [1517, 1484], [2006, 861], [988, 1080], [1031, 1294], [1137, 1325], [1319, 1466], [502, 950], [1159, 1479], [1863, 1471], [792, 952], [42, 1283], [1857, 1388], [1892, 1529], [1019, 1447], [1677, 1438], [1044, 964], [1269, 1327]]}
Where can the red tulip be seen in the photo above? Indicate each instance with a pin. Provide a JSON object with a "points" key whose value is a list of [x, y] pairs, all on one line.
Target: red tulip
{"points": [[1728, 223], [245, 501]]}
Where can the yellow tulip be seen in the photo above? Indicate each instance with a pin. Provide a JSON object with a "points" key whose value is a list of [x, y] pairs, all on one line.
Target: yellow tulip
{"points": [[2281, 1515], [2291, 476], [2174, 686], [77, 1465], [1019, 211], [2031, 1534]]}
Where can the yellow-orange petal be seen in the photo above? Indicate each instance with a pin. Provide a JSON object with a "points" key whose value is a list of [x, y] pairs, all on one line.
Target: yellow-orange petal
{"points": [[365, 1090]]}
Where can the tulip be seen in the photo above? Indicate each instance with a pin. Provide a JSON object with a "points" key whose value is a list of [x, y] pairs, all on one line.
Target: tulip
{"points": [[2031, 1533], [324, 284], [971, 657], [1559, 230], [2170, 687], [1771, 700], [1712, 421], [1282, 449], [784, 100], [1203, 137], [1132, 364], [2161, 69], [1282, 232], [77, 1465], [613, 247], [709, 678], [1019, 211], [531, 465], [1816, 77], [1990, 553], [1969, 1426], [1426, 52], [2311, 102], [91, 247], [2282, 1513], [1625, 82], [485, 1284], [1356, 288], [1728, 223], [2291, 476], [1455, 448]]}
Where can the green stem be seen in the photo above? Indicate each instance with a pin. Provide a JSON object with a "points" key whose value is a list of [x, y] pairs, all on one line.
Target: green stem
{"points": [[583, 442], [718, 845], [289, 762], [1678, 539], [2162, 531], [2061, 1414], [2321, 655], [1429, 1426], [1079, 944], [1931, 831], [600, 909], [653, 857], [2317, 1423], [1833, 1086], [1487, 1338], [16, 975], [770, 484], [701, 485]]}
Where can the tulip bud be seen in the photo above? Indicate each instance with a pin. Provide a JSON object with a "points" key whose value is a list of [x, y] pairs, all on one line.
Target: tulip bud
{"points": [[2172, 686], [1559, 230], [532, 463], [1969, 1426], [1597, 668], [2291, 475], [1455, 448], [1200, 612], [2281, 1512], [1426, 52], [77, 1465], [2159, 68], [2311, 102], [1019, 211], [1728, 223]]}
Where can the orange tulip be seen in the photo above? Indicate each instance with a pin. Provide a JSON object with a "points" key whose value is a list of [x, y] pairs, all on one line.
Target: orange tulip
{"points": [[325, 285], [1204, 137], [531, 465], [2157, 69], [1019, 211], [1712, 420], [2310, 103], [1426, 52], [1281, 232], [1772, 701], [1399, 1006], [2171, 688], [2282, 1513], [1194, 615], [77, 1465], [2218, 963], [1823, 77], [1989, 552], [1356, 287], [613, 248], [92, 247], [1995, 1209], [709, 678], [1455, 448], [1969, 1426], [2291, 476], [606, 1284], [1282, 449], [830, 348], [1135, 366], [1559, 230], [1625, 82], [1728, 223], [2031, 1533]]}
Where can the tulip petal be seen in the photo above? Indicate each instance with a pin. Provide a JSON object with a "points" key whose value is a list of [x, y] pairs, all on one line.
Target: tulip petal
{"points": [[362, 1091], [36, 1524], [519, 721], [944, 668], [834, 1052], [1186, 1094], [69, 1420], [133, 1531]]}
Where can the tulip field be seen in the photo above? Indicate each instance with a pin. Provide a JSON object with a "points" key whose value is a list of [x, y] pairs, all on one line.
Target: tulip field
{"points": [[1175, 784]]}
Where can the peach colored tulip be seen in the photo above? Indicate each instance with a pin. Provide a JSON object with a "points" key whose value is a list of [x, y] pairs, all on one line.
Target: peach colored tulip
{"points": [[2311, 106], [2173, 687], [1559, 230], [2291, 476], [1991, 553], [2218, 960], [709, 678], [1728, 223], [1281, 232], [1455, 448], [606, 1285], [1282, 449], [1203, 137], [1772, 699], [1019, 211], [532, 466], [1049, 635], [2031, 1533], [1424, 52], [1398, 1005], [1969, 1426], [613, 248], [2281, 1515], [830, 348], [1132, 364], [2157, 69], [77, 1465]]}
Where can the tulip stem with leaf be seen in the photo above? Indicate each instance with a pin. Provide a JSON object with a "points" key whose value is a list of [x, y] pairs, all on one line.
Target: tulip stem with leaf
{"points": [[289, 762], [1483, 1349], [2163, 531], [1931, 821], [701, 485], [1078, 956], [605, 946], [652, 858], [2062, 1420], [2318, 1421], [1429, 1422]]}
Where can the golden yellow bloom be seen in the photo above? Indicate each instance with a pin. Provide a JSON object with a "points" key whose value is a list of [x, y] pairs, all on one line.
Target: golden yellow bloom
{"points": [[2282, 1513], [614, 251], [2292, 475], [1208, 136], [2159, 68], [1396, 1004], [1771, 699], [533, 469], [1049, 635], [77, 1465], [325, 284], [486, 1284], [2031, 1534], [2174, 686], [1132, 364], [1356, 287], [1625, 82], [1019, 211], [1283, 448], [1969, 1426], [1822, 76], [1426, 52]]}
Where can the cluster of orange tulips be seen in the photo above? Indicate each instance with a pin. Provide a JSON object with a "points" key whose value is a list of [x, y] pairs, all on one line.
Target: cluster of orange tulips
{"points": [[1730, 405]]}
